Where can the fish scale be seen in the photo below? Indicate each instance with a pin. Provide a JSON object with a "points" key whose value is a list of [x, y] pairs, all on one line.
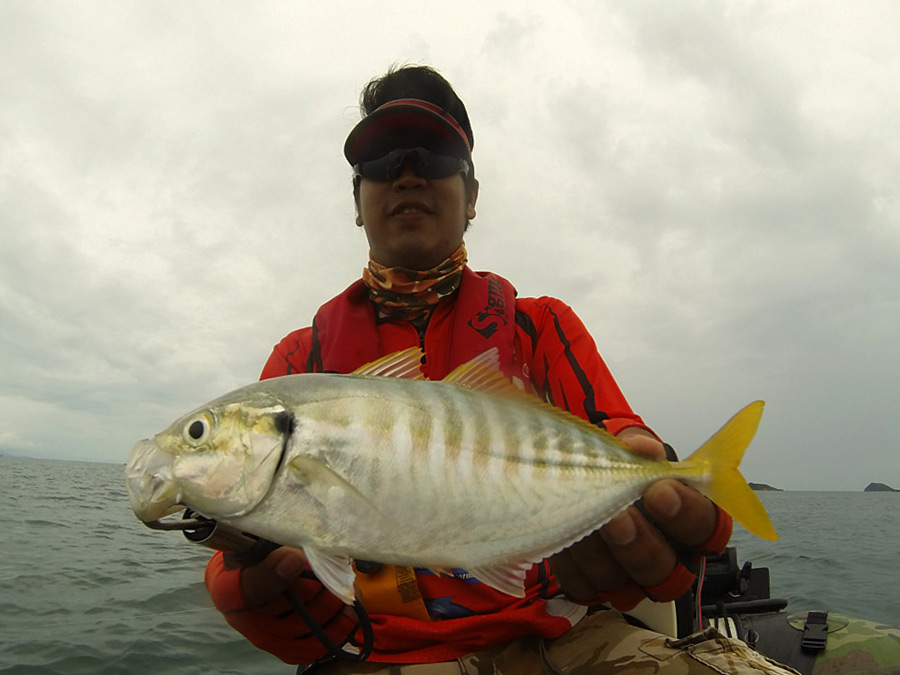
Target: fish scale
{"points": [[490, 460]]}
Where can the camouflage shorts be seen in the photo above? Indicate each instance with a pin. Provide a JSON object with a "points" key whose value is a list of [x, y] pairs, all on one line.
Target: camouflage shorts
{"points": [[601, 643]]}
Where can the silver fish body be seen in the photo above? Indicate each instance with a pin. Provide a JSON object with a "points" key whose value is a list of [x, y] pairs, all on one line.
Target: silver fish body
{"points": [[429, 474]]}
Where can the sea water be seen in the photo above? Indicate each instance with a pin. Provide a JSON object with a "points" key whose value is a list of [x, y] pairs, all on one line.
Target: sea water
{"points": [[85, 588]]}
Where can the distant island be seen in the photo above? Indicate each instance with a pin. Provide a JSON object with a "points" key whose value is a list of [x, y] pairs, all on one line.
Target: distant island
{"points": [[762, 487], [879, 487]]}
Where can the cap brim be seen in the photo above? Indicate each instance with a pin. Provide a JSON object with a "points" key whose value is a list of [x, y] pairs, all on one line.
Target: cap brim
{"points": [[407, 124]]}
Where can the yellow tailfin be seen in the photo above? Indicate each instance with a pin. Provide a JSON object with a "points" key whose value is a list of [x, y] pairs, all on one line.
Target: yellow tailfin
{"points": [[721, 456]]}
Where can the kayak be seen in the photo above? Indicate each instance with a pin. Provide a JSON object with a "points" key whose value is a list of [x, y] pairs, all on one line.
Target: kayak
{"points": [[736, 601]]}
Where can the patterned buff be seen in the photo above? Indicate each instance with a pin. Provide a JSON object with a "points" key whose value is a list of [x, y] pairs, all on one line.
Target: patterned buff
{"points": [[412, 294]]}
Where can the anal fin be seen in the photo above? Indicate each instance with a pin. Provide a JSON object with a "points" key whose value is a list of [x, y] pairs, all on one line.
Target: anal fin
{"points": [[509, 579]]}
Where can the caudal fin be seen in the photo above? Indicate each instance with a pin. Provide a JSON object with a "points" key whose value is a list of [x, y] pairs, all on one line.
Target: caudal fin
{"points": [[721, 456]]}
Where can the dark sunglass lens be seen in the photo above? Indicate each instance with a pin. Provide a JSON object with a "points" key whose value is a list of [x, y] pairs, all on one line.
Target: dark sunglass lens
{"points": [[424, 162], [377, 169], [383, 169], [439, 166]]}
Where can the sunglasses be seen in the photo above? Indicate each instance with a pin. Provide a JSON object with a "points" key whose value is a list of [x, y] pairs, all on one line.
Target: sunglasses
{"points": [[427, 164]]}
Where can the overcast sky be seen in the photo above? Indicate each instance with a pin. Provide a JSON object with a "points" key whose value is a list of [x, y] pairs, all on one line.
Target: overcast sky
{"points": [[713, 186]]}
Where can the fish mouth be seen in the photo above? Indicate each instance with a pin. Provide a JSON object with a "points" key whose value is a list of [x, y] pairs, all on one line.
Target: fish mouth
{"points": [[152, 489]]}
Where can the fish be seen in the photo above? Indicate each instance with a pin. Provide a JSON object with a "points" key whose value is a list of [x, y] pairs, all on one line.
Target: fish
{"points": [[469, 472]]}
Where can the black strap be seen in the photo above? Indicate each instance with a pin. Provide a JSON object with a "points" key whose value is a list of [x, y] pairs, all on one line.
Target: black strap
{"points": [[335, 652]]}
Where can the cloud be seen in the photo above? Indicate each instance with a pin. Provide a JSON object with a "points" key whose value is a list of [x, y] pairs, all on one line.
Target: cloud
{"points": [[10, 441]]}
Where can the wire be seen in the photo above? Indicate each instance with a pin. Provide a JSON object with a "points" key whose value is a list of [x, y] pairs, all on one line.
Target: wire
{"points": [[701, 575]]}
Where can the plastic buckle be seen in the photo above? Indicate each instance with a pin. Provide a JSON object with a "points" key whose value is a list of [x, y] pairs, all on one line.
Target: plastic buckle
{"points": [[815, 632]]}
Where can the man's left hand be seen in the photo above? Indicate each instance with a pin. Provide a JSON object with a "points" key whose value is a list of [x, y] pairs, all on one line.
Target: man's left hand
{"points": [[629, 554]]}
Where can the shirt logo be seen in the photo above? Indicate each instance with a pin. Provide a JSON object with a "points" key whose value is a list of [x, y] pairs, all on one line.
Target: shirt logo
{"points": [[488, 320]]}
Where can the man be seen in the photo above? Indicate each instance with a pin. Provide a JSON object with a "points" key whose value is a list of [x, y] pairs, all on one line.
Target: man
{"points": [[415, 192]]}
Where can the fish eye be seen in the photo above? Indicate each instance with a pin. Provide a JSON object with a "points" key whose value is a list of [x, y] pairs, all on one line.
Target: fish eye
{"points": [[197, 429]]}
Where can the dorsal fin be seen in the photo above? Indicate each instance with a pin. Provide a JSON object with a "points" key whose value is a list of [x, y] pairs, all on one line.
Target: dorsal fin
{"points": [[483, 374], [405, 364]]}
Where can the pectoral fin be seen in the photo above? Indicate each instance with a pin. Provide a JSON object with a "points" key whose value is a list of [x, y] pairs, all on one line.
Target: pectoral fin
{"points": [[334, 571], [330, 489]]}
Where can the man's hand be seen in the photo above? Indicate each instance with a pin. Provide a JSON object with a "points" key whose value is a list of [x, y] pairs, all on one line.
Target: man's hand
{"points": [[269, 577], [630, 549]]}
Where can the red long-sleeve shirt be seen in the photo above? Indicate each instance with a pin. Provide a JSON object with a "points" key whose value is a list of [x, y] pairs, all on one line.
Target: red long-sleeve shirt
{"points": [[555, 357]]}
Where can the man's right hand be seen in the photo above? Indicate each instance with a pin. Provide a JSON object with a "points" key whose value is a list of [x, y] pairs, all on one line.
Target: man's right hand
{"points": [[266, 579]]}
